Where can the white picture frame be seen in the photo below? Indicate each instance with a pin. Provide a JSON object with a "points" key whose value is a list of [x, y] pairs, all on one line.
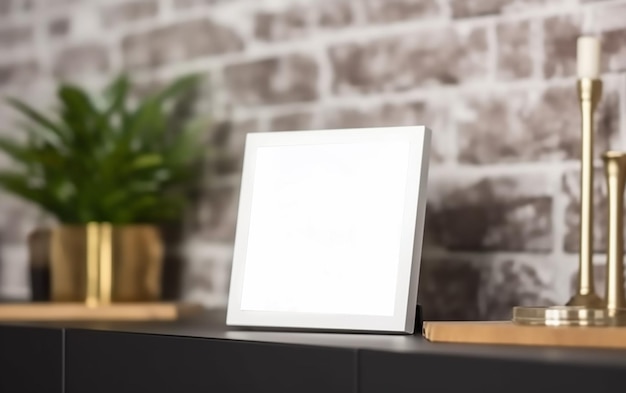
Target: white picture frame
{"points": [[329, 230]]}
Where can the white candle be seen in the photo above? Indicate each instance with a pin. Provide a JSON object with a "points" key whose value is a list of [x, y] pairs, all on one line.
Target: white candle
{"points": [[588, 53]]}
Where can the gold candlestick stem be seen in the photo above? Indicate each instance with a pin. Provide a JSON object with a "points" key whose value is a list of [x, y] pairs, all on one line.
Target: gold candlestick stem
{"points": [[615, 171], [93, 266], [589, 93], [105, 263]]}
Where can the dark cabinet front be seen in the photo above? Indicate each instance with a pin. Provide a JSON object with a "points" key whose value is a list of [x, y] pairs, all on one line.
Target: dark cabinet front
{"points": [[398, 372], [100, 361], [31, 360]]}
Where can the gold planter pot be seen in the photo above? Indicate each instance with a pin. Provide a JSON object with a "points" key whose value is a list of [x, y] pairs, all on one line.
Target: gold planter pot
{"points": [[100, 263]]}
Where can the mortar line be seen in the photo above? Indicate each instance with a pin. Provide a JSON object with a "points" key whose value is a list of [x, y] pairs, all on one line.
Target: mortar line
{"points": [[537, 37], [559, 207], [493, 51], [622, 112], [496, 256]]}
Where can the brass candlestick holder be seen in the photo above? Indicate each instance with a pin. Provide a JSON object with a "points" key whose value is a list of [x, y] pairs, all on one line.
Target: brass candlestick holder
{"points": [[589, 93], [615, 170], [586, 308]]}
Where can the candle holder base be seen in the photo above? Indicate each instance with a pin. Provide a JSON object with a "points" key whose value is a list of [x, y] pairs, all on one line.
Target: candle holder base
{"points": [[588, 300], [569, 316]]}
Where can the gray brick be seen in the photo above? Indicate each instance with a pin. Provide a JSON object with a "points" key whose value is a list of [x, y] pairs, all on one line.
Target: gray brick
{"points": [[408, 61], [478, 8], [335, 13], [560, 35], [9, 7], [18, 74], [18, 219], [229, 140], [516, 281], [12, 37], [187, 4], [449, 289], [571, 189], [505, 213], [207, 274], [514, 55], [433, 115], [217, 213], [126, 13], [474, 8], [295, 22], [614, 50], [81, 60], [453, 288], [384, 11], [292, 122], [178, 43], [529, 126], [301, 19], [271, 81], [59, 27]]}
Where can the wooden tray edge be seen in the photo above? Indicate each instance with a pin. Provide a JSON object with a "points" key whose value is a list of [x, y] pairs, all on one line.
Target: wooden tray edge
{"points": [[41, 312], [507, 333]]}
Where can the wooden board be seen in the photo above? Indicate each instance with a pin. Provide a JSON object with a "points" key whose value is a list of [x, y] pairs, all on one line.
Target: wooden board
{"points": [[511, 334], [80, 312]]}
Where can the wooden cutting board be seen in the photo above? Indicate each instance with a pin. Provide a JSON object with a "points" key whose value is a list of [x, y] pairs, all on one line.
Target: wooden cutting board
{"points": [[24, 312], [511, 334]]}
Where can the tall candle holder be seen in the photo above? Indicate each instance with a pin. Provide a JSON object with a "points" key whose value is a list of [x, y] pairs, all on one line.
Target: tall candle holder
{"points": [[586, 307], [615, 171], [589, 93]]}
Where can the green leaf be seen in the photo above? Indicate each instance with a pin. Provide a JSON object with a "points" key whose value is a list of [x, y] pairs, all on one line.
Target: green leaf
{"points": [[117, 95], [19, 154], [106, 158], [76, 101], [118, 89], [186, 146], [146, 161], [19, 184], [53, 129], [178, 87], [79, 115]]}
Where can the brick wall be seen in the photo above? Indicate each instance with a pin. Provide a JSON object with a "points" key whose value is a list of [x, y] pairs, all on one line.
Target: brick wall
{"points": [[494, 79]]}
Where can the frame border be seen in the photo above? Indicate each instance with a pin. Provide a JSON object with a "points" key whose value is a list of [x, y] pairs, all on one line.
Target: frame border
{"points": [[403, 319]]}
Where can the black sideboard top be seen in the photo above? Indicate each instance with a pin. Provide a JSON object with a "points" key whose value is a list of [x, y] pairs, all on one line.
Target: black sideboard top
{"points": [[211, 325]]}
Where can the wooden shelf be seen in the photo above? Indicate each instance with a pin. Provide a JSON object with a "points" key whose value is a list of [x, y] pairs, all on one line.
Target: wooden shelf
{"points": [[49, 311], [511, 334]]}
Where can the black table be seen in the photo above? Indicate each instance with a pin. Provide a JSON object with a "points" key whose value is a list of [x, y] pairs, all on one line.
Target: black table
{"points": [[202, 355]]}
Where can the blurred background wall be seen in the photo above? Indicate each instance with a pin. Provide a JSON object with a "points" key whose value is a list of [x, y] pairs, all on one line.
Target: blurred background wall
{"points": [[494, 79]]}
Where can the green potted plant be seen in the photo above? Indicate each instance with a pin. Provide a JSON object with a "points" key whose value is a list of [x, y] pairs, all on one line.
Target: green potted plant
{"points": [[111, 170]]}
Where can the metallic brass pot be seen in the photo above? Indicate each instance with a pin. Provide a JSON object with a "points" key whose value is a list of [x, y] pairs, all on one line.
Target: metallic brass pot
{"points": [[99, 263]]}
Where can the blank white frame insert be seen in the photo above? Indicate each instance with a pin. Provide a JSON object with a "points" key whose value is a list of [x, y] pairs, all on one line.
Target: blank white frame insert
{"points": [[329, 230]]}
